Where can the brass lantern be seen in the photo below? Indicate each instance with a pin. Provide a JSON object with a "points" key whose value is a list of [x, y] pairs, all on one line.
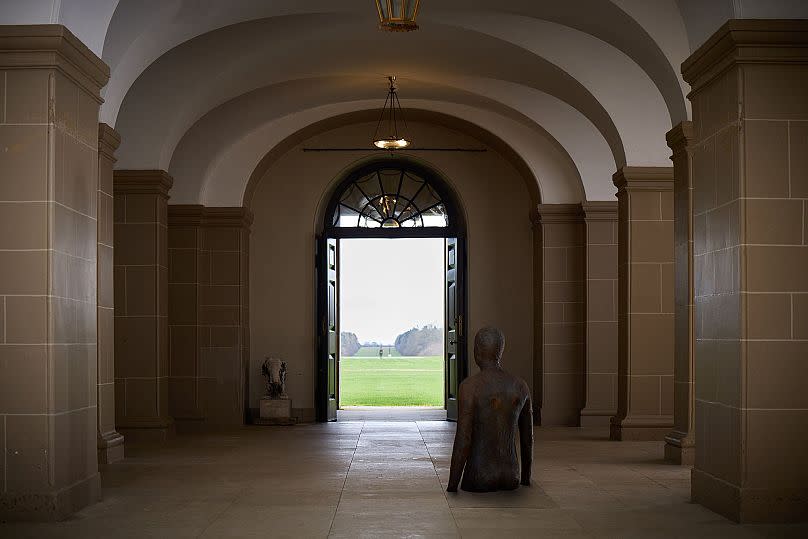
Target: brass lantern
{"points": [[397, 15]]}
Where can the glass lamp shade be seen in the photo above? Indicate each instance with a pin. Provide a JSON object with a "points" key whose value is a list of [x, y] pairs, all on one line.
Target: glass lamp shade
{"points": [[397, 15], [391, 143]]}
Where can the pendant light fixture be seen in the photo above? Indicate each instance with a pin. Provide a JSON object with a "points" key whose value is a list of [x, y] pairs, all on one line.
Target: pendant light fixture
{"points": [[387, 135], [397, 15]]}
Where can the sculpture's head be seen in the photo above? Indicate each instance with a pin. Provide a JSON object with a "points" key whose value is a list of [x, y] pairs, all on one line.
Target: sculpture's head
{"points": [[488, 346]]}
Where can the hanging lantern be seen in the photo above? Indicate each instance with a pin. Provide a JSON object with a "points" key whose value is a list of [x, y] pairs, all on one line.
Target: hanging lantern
{"points": [[397, 15], [387, 135]]}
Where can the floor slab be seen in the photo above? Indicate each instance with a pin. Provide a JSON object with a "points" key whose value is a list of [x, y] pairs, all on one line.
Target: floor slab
{"points": [[387, 478]]}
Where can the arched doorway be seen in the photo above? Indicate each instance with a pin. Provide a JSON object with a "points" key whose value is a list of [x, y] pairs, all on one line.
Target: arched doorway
{"points": [[390, 198]]}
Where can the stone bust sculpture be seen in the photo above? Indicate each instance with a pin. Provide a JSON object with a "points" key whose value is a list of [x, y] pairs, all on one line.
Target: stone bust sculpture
{"points": [[274, 370], [493, 404]]}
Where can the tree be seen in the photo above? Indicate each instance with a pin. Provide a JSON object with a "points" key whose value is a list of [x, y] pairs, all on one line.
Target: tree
{"points": [[348, 343], [424, 341]]}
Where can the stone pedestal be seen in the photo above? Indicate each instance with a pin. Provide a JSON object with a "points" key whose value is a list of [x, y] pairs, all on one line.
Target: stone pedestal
{"points": [[275, 412]]}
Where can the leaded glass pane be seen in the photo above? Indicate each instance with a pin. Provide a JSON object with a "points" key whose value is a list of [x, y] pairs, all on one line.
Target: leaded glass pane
{"points": [[390, 198], [389, 179], [410, 185]]}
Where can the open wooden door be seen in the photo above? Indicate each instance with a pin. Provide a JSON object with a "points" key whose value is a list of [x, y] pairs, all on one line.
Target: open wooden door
{"points": [[454, 337], [328, 331]]}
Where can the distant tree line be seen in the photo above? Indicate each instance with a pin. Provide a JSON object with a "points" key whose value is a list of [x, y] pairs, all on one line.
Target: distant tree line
{"points": [[423, 341], [349, 344]]}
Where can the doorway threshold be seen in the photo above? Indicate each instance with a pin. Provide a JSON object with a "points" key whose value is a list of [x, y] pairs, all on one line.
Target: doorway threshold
{"points": [[391, 413]]}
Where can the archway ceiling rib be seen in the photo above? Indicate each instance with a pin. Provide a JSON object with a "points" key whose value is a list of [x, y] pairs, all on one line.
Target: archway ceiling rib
{"points": [[141, 31], [174, 92], [227, 177], [625, 93], [231, 128], [179, 90]]}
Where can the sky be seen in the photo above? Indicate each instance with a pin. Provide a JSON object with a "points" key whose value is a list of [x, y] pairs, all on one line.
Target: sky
{"points": [[389, 286]]}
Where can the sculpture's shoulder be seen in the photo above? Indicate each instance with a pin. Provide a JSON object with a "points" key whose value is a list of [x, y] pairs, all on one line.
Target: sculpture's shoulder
{"points": [[470, 382], [519, 384]]}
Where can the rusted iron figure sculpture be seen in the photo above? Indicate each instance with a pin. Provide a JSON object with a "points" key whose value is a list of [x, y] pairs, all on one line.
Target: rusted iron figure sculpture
{"points": [[492, 405]]}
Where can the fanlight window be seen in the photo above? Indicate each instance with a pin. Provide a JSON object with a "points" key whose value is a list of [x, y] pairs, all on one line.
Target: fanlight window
{"points": [[390, 198]]}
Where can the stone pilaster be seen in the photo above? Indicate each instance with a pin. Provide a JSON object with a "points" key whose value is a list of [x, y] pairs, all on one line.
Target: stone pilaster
{"points": [[600, 395], [561, 229], [48, 254], [224, 314], [680, 443], [184, 246], [750, 206], [645, 304], [141, 303], [208, 315], [110, 442]]}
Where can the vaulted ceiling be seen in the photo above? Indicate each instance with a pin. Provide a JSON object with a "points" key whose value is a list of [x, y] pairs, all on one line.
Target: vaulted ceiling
{"points": [[205, 88]]}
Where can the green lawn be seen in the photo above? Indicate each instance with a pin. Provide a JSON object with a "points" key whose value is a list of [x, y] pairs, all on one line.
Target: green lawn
{"points": [[373, 351], [397, 381]]}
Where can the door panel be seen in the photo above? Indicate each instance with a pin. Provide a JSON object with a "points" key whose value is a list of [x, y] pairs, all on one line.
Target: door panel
{"points": [[328, 331], [454, 337]]}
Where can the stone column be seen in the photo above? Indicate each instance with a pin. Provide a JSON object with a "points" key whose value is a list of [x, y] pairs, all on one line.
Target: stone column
{"points": [[184, 245], [680, 443], [110, 442], [750, 179], [50, 83], [601, 313], [645, 304], [141, 304], [223, 274], [562, 345]]}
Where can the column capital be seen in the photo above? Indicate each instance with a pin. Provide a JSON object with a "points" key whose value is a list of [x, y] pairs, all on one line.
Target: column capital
{"points": [[52, 46], [680, 137], [235, 217], [185, 214], [600, 210], [199, 215], [108, 141], [144, 182], [747, 41], [558, 213], [643, 179]]}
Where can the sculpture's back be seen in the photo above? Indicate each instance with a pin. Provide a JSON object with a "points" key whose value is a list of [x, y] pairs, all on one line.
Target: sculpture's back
{"points": [[493, 405]]}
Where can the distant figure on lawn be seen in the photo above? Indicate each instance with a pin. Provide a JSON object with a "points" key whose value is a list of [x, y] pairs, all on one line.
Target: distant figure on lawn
{"points": [[492, 404]]}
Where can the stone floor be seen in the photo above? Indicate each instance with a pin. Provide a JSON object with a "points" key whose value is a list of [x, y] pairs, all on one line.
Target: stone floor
{"points": [[387, 479]]}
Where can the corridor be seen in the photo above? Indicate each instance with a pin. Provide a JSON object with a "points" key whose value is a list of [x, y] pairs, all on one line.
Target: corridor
{"points": [[387, 479]]}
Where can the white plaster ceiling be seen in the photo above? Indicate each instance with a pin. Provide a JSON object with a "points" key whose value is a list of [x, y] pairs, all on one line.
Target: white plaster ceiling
{"points": [[204, 88]]}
